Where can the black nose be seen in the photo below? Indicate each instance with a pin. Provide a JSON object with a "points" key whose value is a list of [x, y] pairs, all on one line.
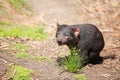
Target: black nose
{"points": [[59, 41]]}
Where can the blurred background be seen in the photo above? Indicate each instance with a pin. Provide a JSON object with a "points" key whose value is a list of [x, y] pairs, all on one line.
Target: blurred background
{"points": [[29, 26], [105, 14]]}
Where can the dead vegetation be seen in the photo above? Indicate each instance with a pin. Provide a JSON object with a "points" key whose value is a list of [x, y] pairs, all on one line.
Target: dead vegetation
{"points": [[103, 13]]}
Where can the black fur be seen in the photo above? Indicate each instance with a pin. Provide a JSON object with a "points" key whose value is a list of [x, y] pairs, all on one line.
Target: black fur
{"points": [[89, 40]]}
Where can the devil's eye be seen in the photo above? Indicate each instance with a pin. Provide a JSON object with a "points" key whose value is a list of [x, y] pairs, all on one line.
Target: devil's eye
{"points": [[67, 35]]}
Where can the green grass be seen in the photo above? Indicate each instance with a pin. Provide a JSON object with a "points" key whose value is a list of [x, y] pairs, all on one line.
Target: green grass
{"points": [[20, 5], [73, 62], [19, 73], [80, 77], [22, 55], [22, 50], [40, 58], [13, 30], [20, 47], [1, 10]]}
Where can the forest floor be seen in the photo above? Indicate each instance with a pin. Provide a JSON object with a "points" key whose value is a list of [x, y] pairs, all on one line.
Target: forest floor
{"points": [[105, 16]]}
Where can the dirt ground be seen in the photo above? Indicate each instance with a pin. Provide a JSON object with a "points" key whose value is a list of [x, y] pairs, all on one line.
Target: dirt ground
{"points": [[104, 14]]}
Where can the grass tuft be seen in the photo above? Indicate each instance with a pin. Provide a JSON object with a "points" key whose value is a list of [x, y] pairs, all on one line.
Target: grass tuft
{"points": [[19, 73], [73, 62], [80, 77]]}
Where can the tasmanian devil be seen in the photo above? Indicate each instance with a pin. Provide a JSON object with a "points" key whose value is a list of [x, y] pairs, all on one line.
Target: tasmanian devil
{"points": [[86, 37]]}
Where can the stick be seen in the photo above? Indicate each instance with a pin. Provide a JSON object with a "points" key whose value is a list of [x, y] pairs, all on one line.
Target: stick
{"points": [[86, 8]]}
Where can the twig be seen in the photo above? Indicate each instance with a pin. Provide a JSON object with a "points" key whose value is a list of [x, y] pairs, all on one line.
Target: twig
{"points": [[14, 73], [4, 40], [62, 72], [86, 8], [5, 60], [45, 23], [117, 47], [12, 78], [108, 30], [41, 18]]}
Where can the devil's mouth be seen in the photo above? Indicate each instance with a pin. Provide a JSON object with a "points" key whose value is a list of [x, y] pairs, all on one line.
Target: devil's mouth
{"points": [[62, 43]]}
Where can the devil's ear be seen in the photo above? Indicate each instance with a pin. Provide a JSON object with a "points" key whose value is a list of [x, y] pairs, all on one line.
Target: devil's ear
{"points": [[58, 26], [76, 31]]}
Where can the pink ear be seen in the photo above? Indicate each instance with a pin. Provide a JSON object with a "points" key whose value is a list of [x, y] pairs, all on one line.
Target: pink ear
{"points": [[76, 31]]}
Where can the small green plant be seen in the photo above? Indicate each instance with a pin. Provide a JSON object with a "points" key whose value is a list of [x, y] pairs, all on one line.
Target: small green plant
{"points": [[13, 30], [20, 5], [22, 55], [20, 47], [73, 62], [40, 58], [19, 73], [80, 77]]}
